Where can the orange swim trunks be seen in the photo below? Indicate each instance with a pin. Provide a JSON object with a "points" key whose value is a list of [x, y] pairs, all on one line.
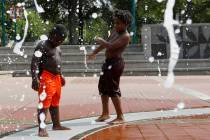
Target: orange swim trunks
{"points": [[52, 85]]}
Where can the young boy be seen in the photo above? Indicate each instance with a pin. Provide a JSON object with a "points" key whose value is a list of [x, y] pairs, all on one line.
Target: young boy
{"points": [[113, 67], [47, 78]]}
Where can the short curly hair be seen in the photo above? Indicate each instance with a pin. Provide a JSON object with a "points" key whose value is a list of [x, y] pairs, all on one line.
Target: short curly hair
{"points": [[60, 30], [124, 15]]}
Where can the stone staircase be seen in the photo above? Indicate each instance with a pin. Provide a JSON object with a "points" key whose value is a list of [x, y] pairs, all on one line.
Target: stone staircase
{"points": [[73, 63]]}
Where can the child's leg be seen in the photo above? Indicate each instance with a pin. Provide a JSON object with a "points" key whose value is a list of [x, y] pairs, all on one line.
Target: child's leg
{"points": [[105, 108], [105, 105], [55, 116], [54, 108], [117, 104], [42, 131]]}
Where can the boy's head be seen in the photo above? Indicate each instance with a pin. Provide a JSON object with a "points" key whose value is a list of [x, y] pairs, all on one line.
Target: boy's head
{"points": [[58, 34], [122, 19]]}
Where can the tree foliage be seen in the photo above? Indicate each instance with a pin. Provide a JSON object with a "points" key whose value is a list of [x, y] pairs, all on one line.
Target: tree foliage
{"points": [[77, 15]]}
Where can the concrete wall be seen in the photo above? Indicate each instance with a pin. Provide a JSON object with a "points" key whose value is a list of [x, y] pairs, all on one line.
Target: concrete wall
{"points": [[194, 41]]}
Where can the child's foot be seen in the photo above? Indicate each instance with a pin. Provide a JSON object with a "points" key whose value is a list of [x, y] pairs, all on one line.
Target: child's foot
{"points": [[102, 118], [117, 121], [60, 128], [43, 133]]}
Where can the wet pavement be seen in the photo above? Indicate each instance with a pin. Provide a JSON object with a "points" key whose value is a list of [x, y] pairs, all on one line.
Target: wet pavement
{"points": [[80, 99]]}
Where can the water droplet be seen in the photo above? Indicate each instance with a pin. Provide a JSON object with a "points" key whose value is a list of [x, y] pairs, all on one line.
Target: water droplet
{"points": [[181, 105], [42, 117], [18, 37], [93, 47], [40, 105], [43, 96], [159, 54], [47, 22], [151, 59], [94, 15], [43, 37], [131, 33], [189, 21], [38, 54], [101, 73], [27, 72], [25, 56], [177, 31], [42, 125], [159, 1], [94, 75]]}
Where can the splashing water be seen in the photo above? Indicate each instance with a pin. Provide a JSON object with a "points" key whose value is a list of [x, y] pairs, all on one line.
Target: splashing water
{"points": [[18, 37], [110, 67], [19, 44], [94, 15], [43, 95], [38, 54], [93, 47], [42, 119], [44, 37], [27, 72], [177, 31], [131, 33], [85, 58], [159, 1], [101, 73], [38, 7], [181, 105], [159, 71], [189, 21], [169, 23], [151, 59], [40, 105], [95, 75]]}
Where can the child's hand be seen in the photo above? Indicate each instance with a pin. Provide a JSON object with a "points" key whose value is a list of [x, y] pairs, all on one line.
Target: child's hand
{"points": [[91, 56], [35, 85], [99, 40], [63, 81]]}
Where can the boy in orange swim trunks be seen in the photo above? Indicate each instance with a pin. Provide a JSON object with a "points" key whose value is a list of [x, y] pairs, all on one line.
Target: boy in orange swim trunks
{"points": [[47, 78]]}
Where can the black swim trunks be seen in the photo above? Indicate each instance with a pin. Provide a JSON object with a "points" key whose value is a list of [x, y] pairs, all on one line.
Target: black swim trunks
{"points": [[109, 80]]}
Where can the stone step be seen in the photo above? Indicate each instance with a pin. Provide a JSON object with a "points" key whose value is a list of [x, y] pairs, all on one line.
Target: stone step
{"points": [[69, 57], [127, 72], [131, 64], [68, 49]]}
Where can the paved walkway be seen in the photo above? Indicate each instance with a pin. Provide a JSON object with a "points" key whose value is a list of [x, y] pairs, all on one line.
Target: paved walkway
{"points": [[80, 98], [176, 129]]}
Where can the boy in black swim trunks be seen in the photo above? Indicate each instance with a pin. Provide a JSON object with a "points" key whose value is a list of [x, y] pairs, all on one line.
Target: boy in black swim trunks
{"points": [[113, 67]]}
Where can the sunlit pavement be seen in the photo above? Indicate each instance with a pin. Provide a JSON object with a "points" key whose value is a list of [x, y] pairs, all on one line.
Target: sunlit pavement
{"points": [[80, 100]]}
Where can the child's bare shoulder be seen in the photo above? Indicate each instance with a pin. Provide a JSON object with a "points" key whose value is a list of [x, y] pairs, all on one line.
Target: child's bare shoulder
{"points": [[40, 45], [125, 36]]}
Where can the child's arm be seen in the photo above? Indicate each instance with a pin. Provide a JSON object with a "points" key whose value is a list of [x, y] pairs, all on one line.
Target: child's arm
{"points": [[35, 66], [97, 50], [100, 48], [93, 54], [120, 42]]}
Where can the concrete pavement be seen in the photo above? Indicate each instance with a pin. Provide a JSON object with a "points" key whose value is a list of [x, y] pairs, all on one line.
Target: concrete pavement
{"points": [[80, 98]]}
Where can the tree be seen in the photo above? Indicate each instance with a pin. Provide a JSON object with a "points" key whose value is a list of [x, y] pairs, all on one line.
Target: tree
{"points": [[72, 13], [153, 12], [37, 26], [93, 28]]}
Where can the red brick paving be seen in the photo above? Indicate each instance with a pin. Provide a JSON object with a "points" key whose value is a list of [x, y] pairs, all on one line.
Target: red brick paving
{"points": [[155, 131]]}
